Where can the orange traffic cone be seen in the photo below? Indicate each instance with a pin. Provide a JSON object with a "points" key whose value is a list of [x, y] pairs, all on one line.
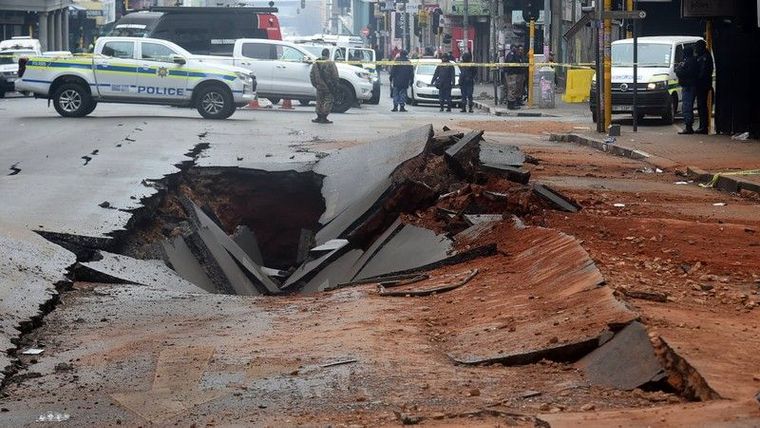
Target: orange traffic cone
{"points": [[287, 104], [254, 104]]}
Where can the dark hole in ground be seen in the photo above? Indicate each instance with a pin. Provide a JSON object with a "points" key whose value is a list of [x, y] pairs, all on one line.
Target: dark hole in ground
{"points": [[278, 207]]}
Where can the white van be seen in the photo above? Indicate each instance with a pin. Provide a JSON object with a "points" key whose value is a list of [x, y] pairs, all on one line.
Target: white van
{"points": [[658, 91]]}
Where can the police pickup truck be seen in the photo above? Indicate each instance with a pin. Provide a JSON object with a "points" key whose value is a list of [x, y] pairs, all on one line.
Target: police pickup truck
{"points": [[140, 71]]}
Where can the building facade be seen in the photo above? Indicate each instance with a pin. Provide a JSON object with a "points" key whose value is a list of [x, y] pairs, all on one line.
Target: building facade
{"points": [[46, 20]]}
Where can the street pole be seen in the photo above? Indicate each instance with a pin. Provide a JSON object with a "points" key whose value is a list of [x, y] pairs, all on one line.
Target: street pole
{"points": [[635, 75], [531, 61], [629, 7], [709, 41], [495, 51], [607, 66], [403, 26], [598, 34], [465, 24]]}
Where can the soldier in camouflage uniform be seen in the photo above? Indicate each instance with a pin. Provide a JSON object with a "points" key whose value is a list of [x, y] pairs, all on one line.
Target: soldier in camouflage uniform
{"points": [[324, 77]]}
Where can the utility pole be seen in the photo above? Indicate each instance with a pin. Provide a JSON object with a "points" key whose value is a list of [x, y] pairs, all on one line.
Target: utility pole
{"points": [[531, 60], [495, 51], [607, 66], [465, 24]]}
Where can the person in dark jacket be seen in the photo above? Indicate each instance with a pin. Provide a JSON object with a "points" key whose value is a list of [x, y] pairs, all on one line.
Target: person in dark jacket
{"points": [[512, 74], [703, 84], [686, 71], [402, 76], [467, 81], [324, 78], [444, 80]]}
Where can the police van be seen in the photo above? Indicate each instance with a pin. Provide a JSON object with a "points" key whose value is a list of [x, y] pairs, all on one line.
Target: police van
{"points": [[139, 71], [657, 85]]}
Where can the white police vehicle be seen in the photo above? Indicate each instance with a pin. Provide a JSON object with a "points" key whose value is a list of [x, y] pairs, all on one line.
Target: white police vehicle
{"points": [[140, 71]]}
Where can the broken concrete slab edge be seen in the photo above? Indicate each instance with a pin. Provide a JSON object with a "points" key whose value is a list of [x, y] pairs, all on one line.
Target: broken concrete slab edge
{"points": [[556, 198], [27, 327], [428, 292], [730, 182], [693, 385], [614, 149], [562, 353], [474, 253]]}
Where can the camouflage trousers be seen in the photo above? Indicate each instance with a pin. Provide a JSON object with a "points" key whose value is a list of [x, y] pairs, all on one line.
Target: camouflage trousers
{"points": [[512, 88], [324, 103]]}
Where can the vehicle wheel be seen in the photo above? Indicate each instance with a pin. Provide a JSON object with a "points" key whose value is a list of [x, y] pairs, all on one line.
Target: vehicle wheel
{"points": [[304, 102], [91, 108], [375, 99], [274, 100], [215, 102], [72, 100], [670, 110], [28, 93], [344, 99]]}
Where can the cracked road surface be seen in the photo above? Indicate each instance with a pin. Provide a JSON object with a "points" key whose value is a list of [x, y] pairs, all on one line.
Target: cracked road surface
{"points": [[137, 355]]}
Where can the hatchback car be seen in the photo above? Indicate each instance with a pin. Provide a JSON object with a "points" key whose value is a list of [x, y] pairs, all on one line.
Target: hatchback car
{"points": [[422, 91]]}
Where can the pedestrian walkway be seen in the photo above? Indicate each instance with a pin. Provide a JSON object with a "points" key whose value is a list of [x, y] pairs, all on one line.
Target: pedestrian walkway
{"points": [[484, 100]]}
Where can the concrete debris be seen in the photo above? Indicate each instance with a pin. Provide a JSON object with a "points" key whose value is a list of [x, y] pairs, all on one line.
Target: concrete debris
{"points": [[339, 363], [246, 239], [226, 264], [511, 173], [338, 271], [408, 247], [501, 154], [181, 259], [351, 188], [116, 268], [474, 219], [427, 291], [555, 198], [317, 259], [626, 362], [464, 156], [32, 351]]}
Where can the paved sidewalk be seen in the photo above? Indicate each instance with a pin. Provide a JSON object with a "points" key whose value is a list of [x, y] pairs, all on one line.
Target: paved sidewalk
{"points": [[484, 101]]}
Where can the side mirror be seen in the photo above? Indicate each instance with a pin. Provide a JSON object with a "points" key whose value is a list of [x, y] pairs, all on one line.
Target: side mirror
{"points": [[179, 60]]}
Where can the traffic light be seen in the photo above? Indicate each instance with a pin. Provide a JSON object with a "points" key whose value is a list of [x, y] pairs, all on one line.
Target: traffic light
{"points": [[531, 10]]}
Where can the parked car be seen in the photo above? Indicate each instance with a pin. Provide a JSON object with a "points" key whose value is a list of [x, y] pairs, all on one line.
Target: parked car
{"points": [[14, 49], [658, 91], [422, 91], [136, 70], [282, 71]]}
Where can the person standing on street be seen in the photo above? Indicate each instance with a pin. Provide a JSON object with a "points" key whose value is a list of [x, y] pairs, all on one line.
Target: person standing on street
{"points": [[467, 81], [443, 79], [686, 71], [703, 84], [324, 77], [522, 76], [402, 75], [513, 80]]}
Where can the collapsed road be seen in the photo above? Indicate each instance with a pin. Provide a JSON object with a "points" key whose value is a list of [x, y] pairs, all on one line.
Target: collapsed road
{"points": [[409, 280]]}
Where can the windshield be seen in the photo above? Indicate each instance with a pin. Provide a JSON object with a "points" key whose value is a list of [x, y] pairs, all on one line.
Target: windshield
{"points": [[429, 69], [363, 55], [314, 50], [650, 55]]}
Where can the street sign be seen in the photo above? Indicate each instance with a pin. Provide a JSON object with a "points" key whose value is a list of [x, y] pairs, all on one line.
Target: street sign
{"points": [[624, 14]]}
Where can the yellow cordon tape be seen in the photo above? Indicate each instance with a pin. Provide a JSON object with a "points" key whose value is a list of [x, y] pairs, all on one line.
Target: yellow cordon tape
{"points": [[717, 176], [468, 64]]}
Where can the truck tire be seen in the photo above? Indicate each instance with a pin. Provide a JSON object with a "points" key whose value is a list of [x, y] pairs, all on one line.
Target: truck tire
{"points": [[344, 99], [72, 100], [274, 100], [91, 108], [304, 102], [670, 110], [215, 102]]}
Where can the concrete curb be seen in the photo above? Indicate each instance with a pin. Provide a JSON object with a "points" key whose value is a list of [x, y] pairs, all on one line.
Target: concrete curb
{"points": [[497, 112], [614, 149], [726, 183]]}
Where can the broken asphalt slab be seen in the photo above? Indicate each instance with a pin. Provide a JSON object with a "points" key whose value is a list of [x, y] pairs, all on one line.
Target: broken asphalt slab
{"points": [[551, 301], [357, 177], [118, 268], [626, 362], [30, 268]]}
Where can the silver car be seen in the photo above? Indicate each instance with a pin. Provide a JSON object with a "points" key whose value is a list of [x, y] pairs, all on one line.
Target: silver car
{"points": [[423, 92]]}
